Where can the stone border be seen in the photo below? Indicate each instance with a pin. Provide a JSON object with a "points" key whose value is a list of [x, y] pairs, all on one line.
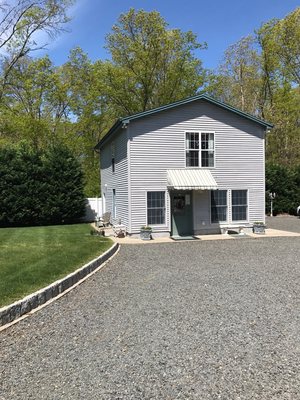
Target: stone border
{"points": [[14, 311]]}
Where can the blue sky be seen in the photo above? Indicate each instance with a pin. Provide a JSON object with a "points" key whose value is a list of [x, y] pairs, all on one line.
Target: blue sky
{"points": [[220, 23]]}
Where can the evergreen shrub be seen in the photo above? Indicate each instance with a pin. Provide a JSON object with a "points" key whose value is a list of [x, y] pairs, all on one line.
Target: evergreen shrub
{"points": [[40, 187]]}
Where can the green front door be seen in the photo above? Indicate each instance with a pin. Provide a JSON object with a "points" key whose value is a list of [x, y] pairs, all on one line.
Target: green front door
{"points": [[182, 213]]}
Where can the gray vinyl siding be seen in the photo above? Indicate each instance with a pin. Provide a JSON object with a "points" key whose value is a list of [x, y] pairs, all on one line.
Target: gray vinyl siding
{"points": [[157, 143], [117, 180], [201, 210]]}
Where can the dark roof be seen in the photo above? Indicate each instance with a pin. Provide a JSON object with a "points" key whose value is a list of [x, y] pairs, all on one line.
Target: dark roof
{"points": [[129, 118]]}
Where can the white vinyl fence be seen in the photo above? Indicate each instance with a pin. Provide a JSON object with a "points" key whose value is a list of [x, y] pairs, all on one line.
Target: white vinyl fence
{"points": [[93, 208]]}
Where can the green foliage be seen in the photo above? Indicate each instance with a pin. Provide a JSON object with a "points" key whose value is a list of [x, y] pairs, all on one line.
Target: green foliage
{"points": [[21, 186], [283, 181], [76, 103], [238, 79], [261, 75], [280, 95], [151, 64], [280, 42], [20, 21], [28, 110], [283, 142], [65, 198], [39, 187]]}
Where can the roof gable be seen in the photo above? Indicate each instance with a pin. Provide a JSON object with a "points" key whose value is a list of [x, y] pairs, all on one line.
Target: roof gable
{"points": [[125, 120]]}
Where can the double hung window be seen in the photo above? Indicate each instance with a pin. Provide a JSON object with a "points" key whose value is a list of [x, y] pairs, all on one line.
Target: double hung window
{"points": [[200, 149], [239, 202], [156, 208], [218, 206], [192, 149]]}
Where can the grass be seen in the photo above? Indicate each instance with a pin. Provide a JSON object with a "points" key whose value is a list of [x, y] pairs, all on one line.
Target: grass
{"points": [[31, 258]]}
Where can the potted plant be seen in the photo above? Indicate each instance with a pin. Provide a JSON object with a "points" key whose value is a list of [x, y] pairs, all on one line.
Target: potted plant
{"points": [[145, 233], [259, 227]]}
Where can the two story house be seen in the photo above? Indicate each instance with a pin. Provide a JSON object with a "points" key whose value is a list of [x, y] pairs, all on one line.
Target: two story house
{"points": [[196, 166]]}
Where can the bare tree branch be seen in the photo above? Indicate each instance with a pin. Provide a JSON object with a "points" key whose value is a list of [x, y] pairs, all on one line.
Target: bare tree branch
{"points": [[19, 24]]}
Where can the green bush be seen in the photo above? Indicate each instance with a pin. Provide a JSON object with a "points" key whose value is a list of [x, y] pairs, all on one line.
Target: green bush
{"points": [[284, 181], [39, 188]]}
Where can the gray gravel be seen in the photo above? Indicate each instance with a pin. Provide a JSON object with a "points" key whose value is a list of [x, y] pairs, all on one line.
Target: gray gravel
{"points": [[192, 320], [285, 223]]}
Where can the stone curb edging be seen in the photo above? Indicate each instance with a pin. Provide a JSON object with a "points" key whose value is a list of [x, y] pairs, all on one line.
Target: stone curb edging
{"points": [[14, 311]]}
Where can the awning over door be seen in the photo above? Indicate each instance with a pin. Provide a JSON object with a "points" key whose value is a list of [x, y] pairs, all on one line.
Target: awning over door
{"points": [[191, 179]]}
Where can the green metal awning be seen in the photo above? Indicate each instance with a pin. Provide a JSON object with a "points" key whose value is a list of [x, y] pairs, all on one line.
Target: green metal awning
{"points": [[191, 179]]}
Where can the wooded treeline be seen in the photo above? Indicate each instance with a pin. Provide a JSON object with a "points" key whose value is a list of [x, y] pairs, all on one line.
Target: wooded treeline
{"points": [[149, 65]]}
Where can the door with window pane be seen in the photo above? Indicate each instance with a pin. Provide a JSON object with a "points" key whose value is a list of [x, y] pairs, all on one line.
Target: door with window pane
{"points": [[182, 213]]}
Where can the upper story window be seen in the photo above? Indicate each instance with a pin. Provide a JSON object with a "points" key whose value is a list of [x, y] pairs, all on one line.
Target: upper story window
{"points": [[200, 149]]}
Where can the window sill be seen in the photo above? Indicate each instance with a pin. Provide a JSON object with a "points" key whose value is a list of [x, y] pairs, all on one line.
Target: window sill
{"points": [[158, 226], [200, 167]]}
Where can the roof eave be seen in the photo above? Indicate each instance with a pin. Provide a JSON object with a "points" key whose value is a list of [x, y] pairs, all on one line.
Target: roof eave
{"points": [[239, 112], [110, 133], [129, 118], [200, 97]]}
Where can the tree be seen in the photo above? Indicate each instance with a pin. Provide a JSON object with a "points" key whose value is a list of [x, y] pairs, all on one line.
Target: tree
{"points": [[65, 201], [239, 77], [39, 187], [151, 64], [20, 21], [27, 106], [280, 42], [283, 142], [22, 191], [88, 113], [280, 52], [260, 75], [45, 104], [76, 103], [283, 181]]}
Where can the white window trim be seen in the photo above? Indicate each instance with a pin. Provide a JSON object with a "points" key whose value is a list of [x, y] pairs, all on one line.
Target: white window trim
{"points": [[199, 150], [227, 213], [164, 225], [242, 220]]}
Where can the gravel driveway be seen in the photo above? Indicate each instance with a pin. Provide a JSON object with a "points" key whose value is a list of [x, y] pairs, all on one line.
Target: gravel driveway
{"points": [[191, 320], [284, 223]]}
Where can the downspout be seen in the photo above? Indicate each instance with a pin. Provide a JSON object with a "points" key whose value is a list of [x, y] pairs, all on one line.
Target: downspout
{"points": [[129, 177], [97, 151]]}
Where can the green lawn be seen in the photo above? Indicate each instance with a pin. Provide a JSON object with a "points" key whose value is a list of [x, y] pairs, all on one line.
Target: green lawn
{"points": [[31, 258]]}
